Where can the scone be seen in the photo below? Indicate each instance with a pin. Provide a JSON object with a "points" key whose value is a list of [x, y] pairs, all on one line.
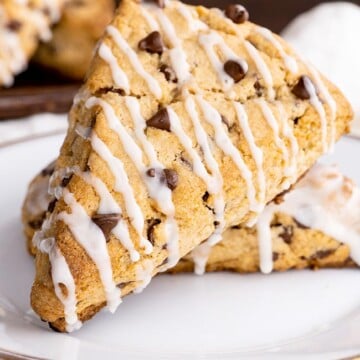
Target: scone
{"points": [[298, 230], [189, 122], [22, 25], [315, 225], [74, 38]]}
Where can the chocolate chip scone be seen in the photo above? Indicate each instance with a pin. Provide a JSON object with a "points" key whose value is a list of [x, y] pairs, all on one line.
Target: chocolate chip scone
{"points": [[74, 37], [189, 122], [315, 225], [324, 200], [22, 25]]}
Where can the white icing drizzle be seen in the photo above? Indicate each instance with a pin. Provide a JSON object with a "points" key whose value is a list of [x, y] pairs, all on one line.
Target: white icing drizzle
{"points": [[134, 60], [118, 74], [211, 40], [328, 99], [160, 192], [316, 103], [37, 200], [61, 274], [323, 200], [262, 68], [291, 170], [271, 120], [176, 53], [256, 152], [108, 205], [153, 25], [92, 239], [156, 188], [201, 253], [123, 186], [187, 13], [290, 62], [223, 141]]}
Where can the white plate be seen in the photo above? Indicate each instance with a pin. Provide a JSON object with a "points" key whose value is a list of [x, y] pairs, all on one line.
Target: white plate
{"points": [[300, 314]]}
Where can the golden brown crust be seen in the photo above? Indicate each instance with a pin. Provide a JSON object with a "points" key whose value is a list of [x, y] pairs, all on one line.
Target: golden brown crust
{"points": [[194, 216], [294, 247]]}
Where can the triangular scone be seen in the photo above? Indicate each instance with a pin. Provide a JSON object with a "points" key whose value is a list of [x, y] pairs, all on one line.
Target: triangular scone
{"points": [[325, 200], [315, 225], [23, 24], [182, 129]]}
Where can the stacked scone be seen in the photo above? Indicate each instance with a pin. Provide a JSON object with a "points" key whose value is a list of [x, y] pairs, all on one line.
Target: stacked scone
{"points": [[189, 123]]}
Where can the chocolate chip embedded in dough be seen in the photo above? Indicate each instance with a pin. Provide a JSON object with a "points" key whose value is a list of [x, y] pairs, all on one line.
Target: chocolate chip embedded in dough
{"points": [[106, 222], [151, 172], [14, 25], [153, 43], [51, 206], [169, 73], [301, 89], [172, 178], [237, 13], [150, 230], [160, 120], [235, 70], [287, 234], [275, 256]]}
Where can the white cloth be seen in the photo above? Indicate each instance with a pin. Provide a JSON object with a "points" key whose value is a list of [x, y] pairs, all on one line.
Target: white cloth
{"points": [[12, 131], [328, 35]]}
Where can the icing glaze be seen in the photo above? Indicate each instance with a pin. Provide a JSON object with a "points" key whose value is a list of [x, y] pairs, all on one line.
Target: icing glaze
{"points": [[323, 200], [92, 239], [261, 67], [118, 74], [290, 62], [211, 40], [62, 277], [134, 60]]}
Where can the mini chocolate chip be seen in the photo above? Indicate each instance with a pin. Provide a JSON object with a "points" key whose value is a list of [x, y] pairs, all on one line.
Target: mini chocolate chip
{"points": [[287, 234], [322, 254], [236, 227], [237, 13], [106, 222], [206, 196], [51, 206], [301, 88], [169, 73], [216, 223], [65, 181], [186, 162], [234, 70], [153, 43], [151, 172], [14, 25], [303, 258], [296, 121], [49, 170], [172, 178], [275, 256], [300, 225], [160, 120], [225, 120], [150, 230], [160, 3], [258, 88], [36, 224]]}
